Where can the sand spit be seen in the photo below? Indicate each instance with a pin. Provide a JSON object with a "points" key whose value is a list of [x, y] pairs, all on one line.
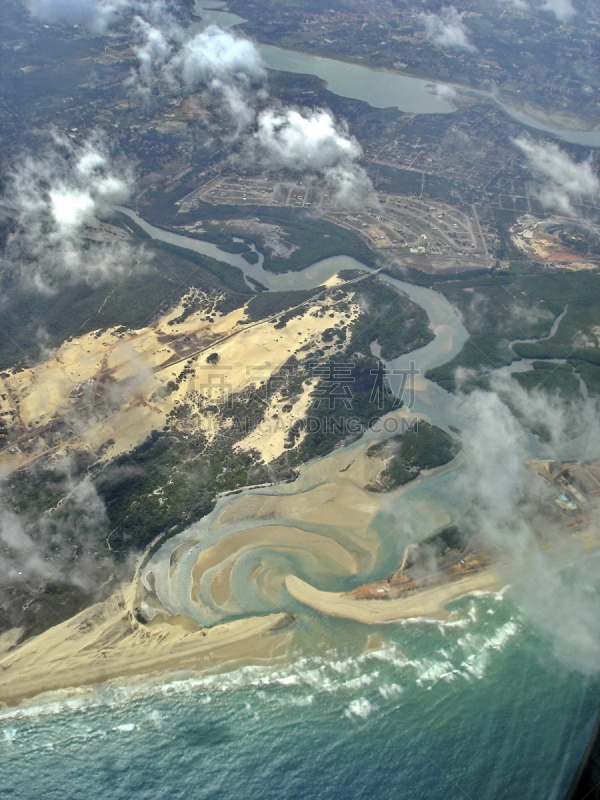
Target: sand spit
{"points": [[104, 642], [423, 603], [270, 537], [343, 542]]}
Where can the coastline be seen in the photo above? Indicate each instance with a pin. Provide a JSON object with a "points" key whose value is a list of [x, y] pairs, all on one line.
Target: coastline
{"points": [[104, 642], [421, 603]]}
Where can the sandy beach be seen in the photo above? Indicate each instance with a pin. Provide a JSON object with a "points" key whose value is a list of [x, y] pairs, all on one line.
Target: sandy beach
{"points": [[104, 643], [423, 603]]}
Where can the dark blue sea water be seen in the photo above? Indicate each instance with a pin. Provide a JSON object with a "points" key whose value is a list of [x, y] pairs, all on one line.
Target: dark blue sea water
{"points": [[479, 707]]}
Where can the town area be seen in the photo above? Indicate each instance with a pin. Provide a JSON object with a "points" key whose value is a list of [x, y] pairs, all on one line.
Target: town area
{"points": [[393, 223]]}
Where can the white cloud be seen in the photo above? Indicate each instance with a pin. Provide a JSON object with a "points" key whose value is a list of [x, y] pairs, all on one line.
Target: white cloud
{"points": [[97, 15], [21, 557], [232, 68], [153, 50], [43, 548], [563, 10], [564, 181], [54, 198], [526, 316], [227, 64], [215, 54], [313, 141], [522, 5], [445, 92], [512, 512], [305, 140], [446, 29]]}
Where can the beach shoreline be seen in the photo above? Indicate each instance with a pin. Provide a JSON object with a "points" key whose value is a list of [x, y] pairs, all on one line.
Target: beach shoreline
{"points": [[103, 643], [428, 602]]}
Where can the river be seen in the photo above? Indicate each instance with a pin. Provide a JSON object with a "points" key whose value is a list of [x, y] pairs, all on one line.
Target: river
{"points": [[383, 88], [473, 707]]}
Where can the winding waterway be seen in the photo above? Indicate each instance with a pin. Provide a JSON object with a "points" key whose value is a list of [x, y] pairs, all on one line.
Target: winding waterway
{"points": [[476, 706], [383, 88]]}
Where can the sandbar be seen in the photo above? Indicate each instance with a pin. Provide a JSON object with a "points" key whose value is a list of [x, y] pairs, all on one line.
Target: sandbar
{"points": [[421, 603], [104, 642]]}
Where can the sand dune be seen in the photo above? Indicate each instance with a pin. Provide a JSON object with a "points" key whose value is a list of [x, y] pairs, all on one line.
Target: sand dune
{"points": [[125, 374]]}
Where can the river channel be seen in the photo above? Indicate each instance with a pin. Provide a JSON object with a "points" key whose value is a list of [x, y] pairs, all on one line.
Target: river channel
{"points": [[485, 646], [476, 706], [424, 506], [382, 88]]}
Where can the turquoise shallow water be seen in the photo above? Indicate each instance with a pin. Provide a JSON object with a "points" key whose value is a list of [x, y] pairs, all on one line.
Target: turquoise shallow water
{"points": [[475, 708], [479, 707]]}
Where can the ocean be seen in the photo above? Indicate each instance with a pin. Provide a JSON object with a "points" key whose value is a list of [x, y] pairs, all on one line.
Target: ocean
{"points": [[479, 707]]}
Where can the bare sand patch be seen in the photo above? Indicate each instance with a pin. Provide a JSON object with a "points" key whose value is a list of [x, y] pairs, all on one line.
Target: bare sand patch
{"points": [[110, 387], [269, 437], [337, 503], [270, 347], [103, 643], [9, 639], [335, 280], [329, 553], [220, 589], [422, 603]]}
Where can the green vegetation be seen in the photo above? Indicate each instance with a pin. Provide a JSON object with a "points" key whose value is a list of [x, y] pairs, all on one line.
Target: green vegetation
{"points": [[581, 240], [79, 308], [223, 238], [409, 181], [228, 275], [316, 239], [346, 419], [506, 306], [419, 448], [450, 538], [391, 179], [396, 323], [448, 544], [260, 287], [231, 277], [252, 257], [547, 375], [212, 233], [270, 303], [185, 484]]}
